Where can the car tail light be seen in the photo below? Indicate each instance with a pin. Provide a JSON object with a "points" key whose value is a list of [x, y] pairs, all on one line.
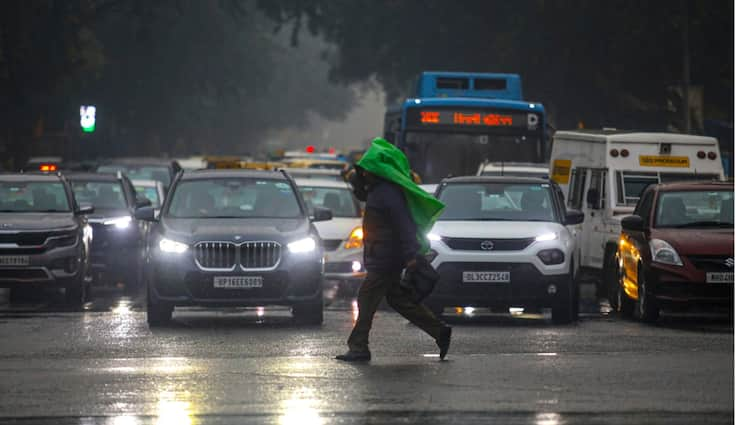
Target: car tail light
{"points": [[624, 153], [48, 167], [356, 238], [712, 155]]}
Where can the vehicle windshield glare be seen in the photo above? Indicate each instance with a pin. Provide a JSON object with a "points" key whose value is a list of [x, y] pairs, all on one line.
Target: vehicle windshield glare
{"points": [[435, 155], [140, 172], [102, 195], [234, 198], [30, 197], [339, 201], [497, 201], [149, 192], [695, 209]]}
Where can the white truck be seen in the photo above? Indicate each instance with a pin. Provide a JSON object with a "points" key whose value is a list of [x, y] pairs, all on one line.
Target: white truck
{"points": [[603, 173]]}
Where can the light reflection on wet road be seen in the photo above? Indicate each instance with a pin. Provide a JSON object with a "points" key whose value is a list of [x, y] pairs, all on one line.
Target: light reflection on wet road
{"points": [[105, 366]]}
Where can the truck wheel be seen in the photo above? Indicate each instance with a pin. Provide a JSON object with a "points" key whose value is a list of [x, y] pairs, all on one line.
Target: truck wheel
{"points": [[563, 310], [647, 305], [624, 304], [309, 313], [158, 314], [608, 283]]}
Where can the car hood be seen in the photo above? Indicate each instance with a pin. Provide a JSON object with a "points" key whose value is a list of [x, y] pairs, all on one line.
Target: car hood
{"points": [[337, 228], [13, 222], [698, 241], [495, 229], [234, 230]]}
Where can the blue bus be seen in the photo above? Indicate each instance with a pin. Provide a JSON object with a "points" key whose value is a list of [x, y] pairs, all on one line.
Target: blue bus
{"points": [[458, 120]]}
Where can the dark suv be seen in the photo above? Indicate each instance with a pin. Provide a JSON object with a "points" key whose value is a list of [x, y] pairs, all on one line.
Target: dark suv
{"points": [[117, 237], [44, 236], [234, 238]]}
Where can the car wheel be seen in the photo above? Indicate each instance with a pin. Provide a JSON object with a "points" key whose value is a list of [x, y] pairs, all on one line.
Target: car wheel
{"points": [[609, 285], [309, 313], [647, 305], [75, 294], [158, 314], [562, 311], [624, 304]]}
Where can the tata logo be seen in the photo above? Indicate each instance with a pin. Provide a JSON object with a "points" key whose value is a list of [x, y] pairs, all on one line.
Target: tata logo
{"points": [[729, 263], [487, 245]]}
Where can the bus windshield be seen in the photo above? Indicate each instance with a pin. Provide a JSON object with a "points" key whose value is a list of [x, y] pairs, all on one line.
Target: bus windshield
{"points": [[436, 155]]}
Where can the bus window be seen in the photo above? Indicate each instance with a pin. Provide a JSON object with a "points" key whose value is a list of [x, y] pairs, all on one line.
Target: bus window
{"points": [[577, 188]]}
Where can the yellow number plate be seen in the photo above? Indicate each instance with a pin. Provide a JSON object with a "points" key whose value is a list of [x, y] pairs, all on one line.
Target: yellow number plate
{"points": [[664, 161]]}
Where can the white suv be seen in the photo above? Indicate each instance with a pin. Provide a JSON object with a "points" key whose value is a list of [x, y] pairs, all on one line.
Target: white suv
{"points": [[502, 242]]}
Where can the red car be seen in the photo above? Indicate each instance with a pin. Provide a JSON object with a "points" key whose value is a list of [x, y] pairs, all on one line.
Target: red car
{"points": [[677, 248]]}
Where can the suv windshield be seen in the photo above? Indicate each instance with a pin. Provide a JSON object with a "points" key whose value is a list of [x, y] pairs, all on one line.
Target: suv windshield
{"points": [[497, 201], [33, 197], [140, 172], [695, 209], [234, 198], [102, 195], [339, 201]]}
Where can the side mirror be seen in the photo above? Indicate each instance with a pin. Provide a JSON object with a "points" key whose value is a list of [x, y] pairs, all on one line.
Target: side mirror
{"points": [[146, 214], [85, 209], [322, 214], [142, 202], [574, 217], [633, 222]]}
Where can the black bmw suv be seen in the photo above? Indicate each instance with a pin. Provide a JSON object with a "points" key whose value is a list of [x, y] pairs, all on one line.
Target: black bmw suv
{"points": [[117, 237], [44, 236], [234, 238]]}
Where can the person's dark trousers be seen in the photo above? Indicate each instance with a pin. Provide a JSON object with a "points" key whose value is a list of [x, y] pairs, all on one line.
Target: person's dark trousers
{"points": [[371, 292]]}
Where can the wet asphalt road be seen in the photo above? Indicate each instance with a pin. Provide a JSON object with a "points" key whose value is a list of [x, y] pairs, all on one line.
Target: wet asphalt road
{"points": [[105, 365]]}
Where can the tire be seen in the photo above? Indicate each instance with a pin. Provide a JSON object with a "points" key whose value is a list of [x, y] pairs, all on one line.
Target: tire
{"points": [[647, 306], [158, 314], [563, 312], [78, 293], [309, 313], [609, 283], [624, 304], [576, 301]]}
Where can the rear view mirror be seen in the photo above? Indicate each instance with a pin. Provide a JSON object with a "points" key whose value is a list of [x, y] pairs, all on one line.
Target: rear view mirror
{"points": [[142, 202], [85, 209], [633, 222], [322, 214], [574, 217], [146, 214]]}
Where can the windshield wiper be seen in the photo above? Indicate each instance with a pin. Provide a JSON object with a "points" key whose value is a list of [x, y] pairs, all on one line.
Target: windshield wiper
{"points": [[704, 224]]}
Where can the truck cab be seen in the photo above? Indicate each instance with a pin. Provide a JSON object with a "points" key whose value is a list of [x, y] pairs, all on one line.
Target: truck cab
{"points": [[604, 172]]}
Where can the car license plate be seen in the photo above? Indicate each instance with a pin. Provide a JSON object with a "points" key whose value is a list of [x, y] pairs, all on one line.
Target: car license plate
{"points": [[237, 282], [480, 277], [14, 260], [719, 277]]}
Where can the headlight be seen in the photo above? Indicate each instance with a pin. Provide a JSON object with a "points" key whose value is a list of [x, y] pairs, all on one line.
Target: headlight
{"points": [[662, 252], [172, 247], [118, 222], [356, 238], [546, 237], [302, 246], [433, 237]]}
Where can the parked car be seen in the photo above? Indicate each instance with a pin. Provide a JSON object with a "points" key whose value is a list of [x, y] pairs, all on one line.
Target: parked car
{"points": [[44, 235], [342, 236], [162, 170], [676, 249], [234, 238], [502, 242], [514, 169], [118, 239]]}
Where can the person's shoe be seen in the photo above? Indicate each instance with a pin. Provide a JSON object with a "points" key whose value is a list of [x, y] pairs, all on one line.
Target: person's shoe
{"points": [[444, 341], [355, 356]]}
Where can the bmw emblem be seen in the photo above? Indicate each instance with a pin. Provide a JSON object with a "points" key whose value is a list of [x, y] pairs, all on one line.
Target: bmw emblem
{"points": [[487, 245]]}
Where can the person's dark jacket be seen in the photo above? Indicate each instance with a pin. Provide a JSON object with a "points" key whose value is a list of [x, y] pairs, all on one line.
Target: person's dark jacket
{"points": [[389, 231]]}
